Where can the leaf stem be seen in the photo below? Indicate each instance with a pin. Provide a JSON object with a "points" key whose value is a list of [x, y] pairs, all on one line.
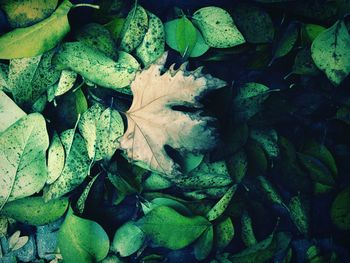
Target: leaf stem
{"points": [[87, 5]]}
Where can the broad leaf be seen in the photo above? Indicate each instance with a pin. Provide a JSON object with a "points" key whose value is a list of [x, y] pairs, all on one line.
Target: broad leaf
{"points": [[9, 112], [134, 29], [330, 52], [97, 67], [152, 122], [82, 240], [153, 43], [128, 239], [170, 229], [22, 177], [36, 39], [217, 27], [26, 13], [34, 211], [75, 170]]}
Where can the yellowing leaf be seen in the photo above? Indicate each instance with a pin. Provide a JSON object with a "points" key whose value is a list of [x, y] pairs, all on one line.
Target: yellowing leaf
{"points": [[21, 177], [153, 123], [36, 39], [330, 52]]}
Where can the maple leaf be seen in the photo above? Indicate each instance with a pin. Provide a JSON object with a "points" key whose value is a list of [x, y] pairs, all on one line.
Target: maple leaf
{"points": [[153, 122]]}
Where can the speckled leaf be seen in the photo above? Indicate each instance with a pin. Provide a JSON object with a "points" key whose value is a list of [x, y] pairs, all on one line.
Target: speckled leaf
{"points": [[109, 129], [219, 208], [36, 39], [217, 27], [84, 195], [269, 191], [75, 170], [169, 229], [35, 211], [299, 214], [237, 166], [3, 76], [55, 159], [9, 112], [204, 244], [128, 239], [153, 43], [330, 52], [248, 100], [247, 231], [26, 13], [95, 66], [98, 37], [254, 23], [268, 140], [134, 29], [23, 158], [66, 82], [81, 240], [224, 232], [340, 211]]}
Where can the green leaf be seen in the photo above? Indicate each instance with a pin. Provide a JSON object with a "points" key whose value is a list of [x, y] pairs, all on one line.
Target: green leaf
{"points": [[268, 140], [115, 27], [75, 170], [318, 171], [23, 177], [153, 43], [299, 215], [257, 159], [134, 29], [186, 36], [82, 240], [36, 39], [98, 37], [309, 32], [223, 233], [66, 82], [248, 100], [80, 102], [26, 13], [128, 239], [171, 31], [204, 244], [303, 63], [217, 27], [343, 114], [254, 23], [95, 66], [237, 166], [269, 191], [330, 52], [169, 229], [168, 202], [340, 210], [219, 208], [101, 129], [9, 112], [55, 159], [286, 42], [247, 232], [156, 182], [84, 195], [34, 210]]}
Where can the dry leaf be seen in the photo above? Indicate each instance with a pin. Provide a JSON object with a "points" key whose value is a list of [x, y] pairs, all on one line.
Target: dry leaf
{"points": [[153, 122]]}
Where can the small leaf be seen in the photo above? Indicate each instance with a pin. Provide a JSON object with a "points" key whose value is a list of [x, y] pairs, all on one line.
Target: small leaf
{"points": [[36, 39], [66, 82], [35, 211], [16, 241], [219, 208], [153, 43], [128, 239], [217, 27], [22, 177], [75, 170], [95, 66], [269, 191], [170, 229], [309, 32], [84, 195], [200, 46], [80, 102], [254, 23], [268, 140], [27, 13], [98, 37], [330, 52], [247, 232], [303, 63], [9, 112], [237, 166], [287, 41], [75, 240], [168, 202], [55, 159], [186, 36], [340, 210], [299, 214], [134, 29], [204, 244], [223, 233]]}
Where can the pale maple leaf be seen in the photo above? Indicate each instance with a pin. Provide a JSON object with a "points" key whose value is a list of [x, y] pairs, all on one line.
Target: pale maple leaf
{"points": [[153, 123]]}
